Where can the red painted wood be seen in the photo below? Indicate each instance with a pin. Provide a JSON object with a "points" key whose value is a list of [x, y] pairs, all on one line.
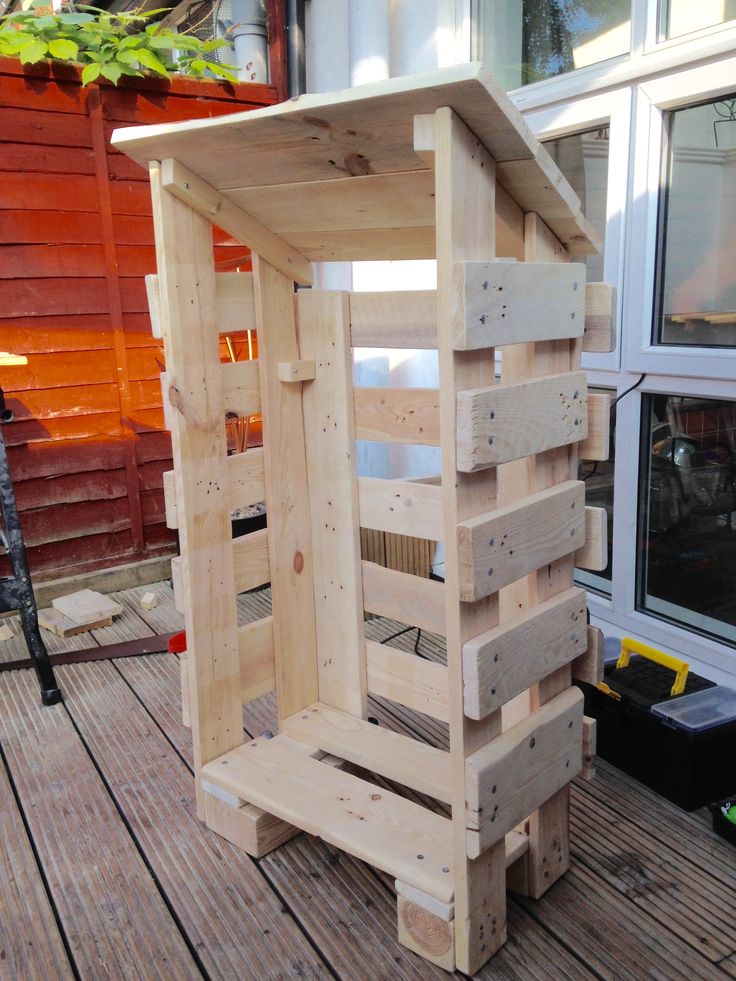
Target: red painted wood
{"points": [[72, 299]]}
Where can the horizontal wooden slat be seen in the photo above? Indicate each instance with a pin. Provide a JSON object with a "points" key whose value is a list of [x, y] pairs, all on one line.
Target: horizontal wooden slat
{"points": [[241, 388], [594, 553], [375, 748], [600, 318], [411, 681], [589, 665], [395, 835], [401, 319], [402, 507], [398, 415], [398, 595], [506, 302], [366, 244], [246, 483], [545, 748], [252, 567], [257, 667], [504, 661], [234, 302], [501, 546], [507, 422], [596, 445]]}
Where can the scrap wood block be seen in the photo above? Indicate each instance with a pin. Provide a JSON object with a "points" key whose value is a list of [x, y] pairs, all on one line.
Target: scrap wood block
{"points": [[63, 626], [86, 606], [149, 601], [6, 631]]}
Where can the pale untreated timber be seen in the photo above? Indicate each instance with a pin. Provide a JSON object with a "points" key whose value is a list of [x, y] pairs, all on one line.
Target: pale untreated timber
{"points": [[398, 415], [241, 388], [375, 748], [296, 371], [234, 304], [275, 775], [209, 202], [589, 747], [245, 480], [257, 667], [596, 445], [588, 666], [412, 681], [507, 659], [249, 827], [399, 596], [501, 546], [507, 422], [252, 565], [402, 507], [600, 318], [545, 747], [426, 934], [505, 302], [594, 553], [397, 319]]}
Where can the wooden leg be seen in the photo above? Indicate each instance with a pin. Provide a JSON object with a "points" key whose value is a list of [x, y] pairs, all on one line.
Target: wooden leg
{"points": [[426, 934], [247, 826], [186, 714]]}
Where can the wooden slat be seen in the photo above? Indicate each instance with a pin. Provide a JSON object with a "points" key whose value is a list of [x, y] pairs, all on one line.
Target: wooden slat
{"points": [[30, 942], [507, 422], [600, 318], [333, 500], [398, 595], [169, 490], [207, 200], [257, 667], [296, 371], [252, 565], [234, 303], [411, 681], [398, 415], [187, 295], [396, 835], [402, 507], [246, 483], [505, 302], [466, 224], [365, 244], [544, 747], [241, 388], [589, 665], [501, 546], [589, 747], [289, 528], [375, 748], [594, 553], [504, 661], [596, 445], [90, 863], [400, 319]]}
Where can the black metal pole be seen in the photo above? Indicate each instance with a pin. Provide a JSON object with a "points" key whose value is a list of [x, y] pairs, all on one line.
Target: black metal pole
{"points": [[296, 62]]}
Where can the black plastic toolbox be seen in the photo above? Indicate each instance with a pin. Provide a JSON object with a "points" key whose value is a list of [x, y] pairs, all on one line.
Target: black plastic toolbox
{"points": [[689, 767]]}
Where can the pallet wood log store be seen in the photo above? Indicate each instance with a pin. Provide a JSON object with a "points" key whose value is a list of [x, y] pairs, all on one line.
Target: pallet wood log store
{"points": [[432, 166]]}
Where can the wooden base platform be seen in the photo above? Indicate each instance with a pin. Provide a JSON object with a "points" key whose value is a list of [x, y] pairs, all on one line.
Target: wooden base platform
{"points": [[105, 870]]}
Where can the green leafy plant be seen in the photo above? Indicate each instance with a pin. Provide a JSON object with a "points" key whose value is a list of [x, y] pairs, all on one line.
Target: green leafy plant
{"points": [[108, 45]]}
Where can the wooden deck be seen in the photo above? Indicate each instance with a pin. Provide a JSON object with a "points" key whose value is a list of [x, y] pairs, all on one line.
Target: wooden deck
{"points": [[106, 872]]}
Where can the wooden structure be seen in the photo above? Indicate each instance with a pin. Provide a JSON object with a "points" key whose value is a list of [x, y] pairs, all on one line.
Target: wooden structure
{"points": [[87, 448], [433, 165]]}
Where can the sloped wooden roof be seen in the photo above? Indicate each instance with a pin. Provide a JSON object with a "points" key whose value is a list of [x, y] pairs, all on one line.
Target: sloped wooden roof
{"points": [[336, 175]]}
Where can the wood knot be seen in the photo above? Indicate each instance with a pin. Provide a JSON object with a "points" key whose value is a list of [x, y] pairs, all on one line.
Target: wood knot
{"points": [[357, 165], [298, 562]]}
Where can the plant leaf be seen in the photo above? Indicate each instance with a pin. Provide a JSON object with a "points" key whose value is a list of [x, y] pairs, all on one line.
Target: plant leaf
{"points": [[33, 52], [221, 72], [149, 60], [128, 57], [75, 18], [112, 71], [63, 49], [90, 73]]}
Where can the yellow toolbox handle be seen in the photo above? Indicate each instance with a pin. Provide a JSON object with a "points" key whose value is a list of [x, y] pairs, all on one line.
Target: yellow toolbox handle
{"points": [[630, 646]]}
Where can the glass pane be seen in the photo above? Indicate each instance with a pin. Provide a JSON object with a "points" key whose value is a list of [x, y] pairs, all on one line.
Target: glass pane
{"points": [[678, 17], [598, 479], [696, 288], [523, 42], [687, 505], [583, 159]]}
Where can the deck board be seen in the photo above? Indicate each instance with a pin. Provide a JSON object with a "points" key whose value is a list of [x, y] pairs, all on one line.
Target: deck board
{"points": [[650, 893], [248, 935], [114, 918], [31, 946]]}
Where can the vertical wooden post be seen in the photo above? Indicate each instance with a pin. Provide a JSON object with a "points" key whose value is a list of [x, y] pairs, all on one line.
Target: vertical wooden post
{"points": [[324, 333], [187, 295], [289, 530], [465, 183]]}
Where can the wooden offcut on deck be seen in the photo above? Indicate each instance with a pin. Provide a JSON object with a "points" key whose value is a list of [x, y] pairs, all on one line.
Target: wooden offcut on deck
{"points": [[106, 872]]}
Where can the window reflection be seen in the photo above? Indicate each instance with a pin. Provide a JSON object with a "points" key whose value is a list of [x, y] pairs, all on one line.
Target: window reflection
{"points": [[678, 17], [687, 506]]}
